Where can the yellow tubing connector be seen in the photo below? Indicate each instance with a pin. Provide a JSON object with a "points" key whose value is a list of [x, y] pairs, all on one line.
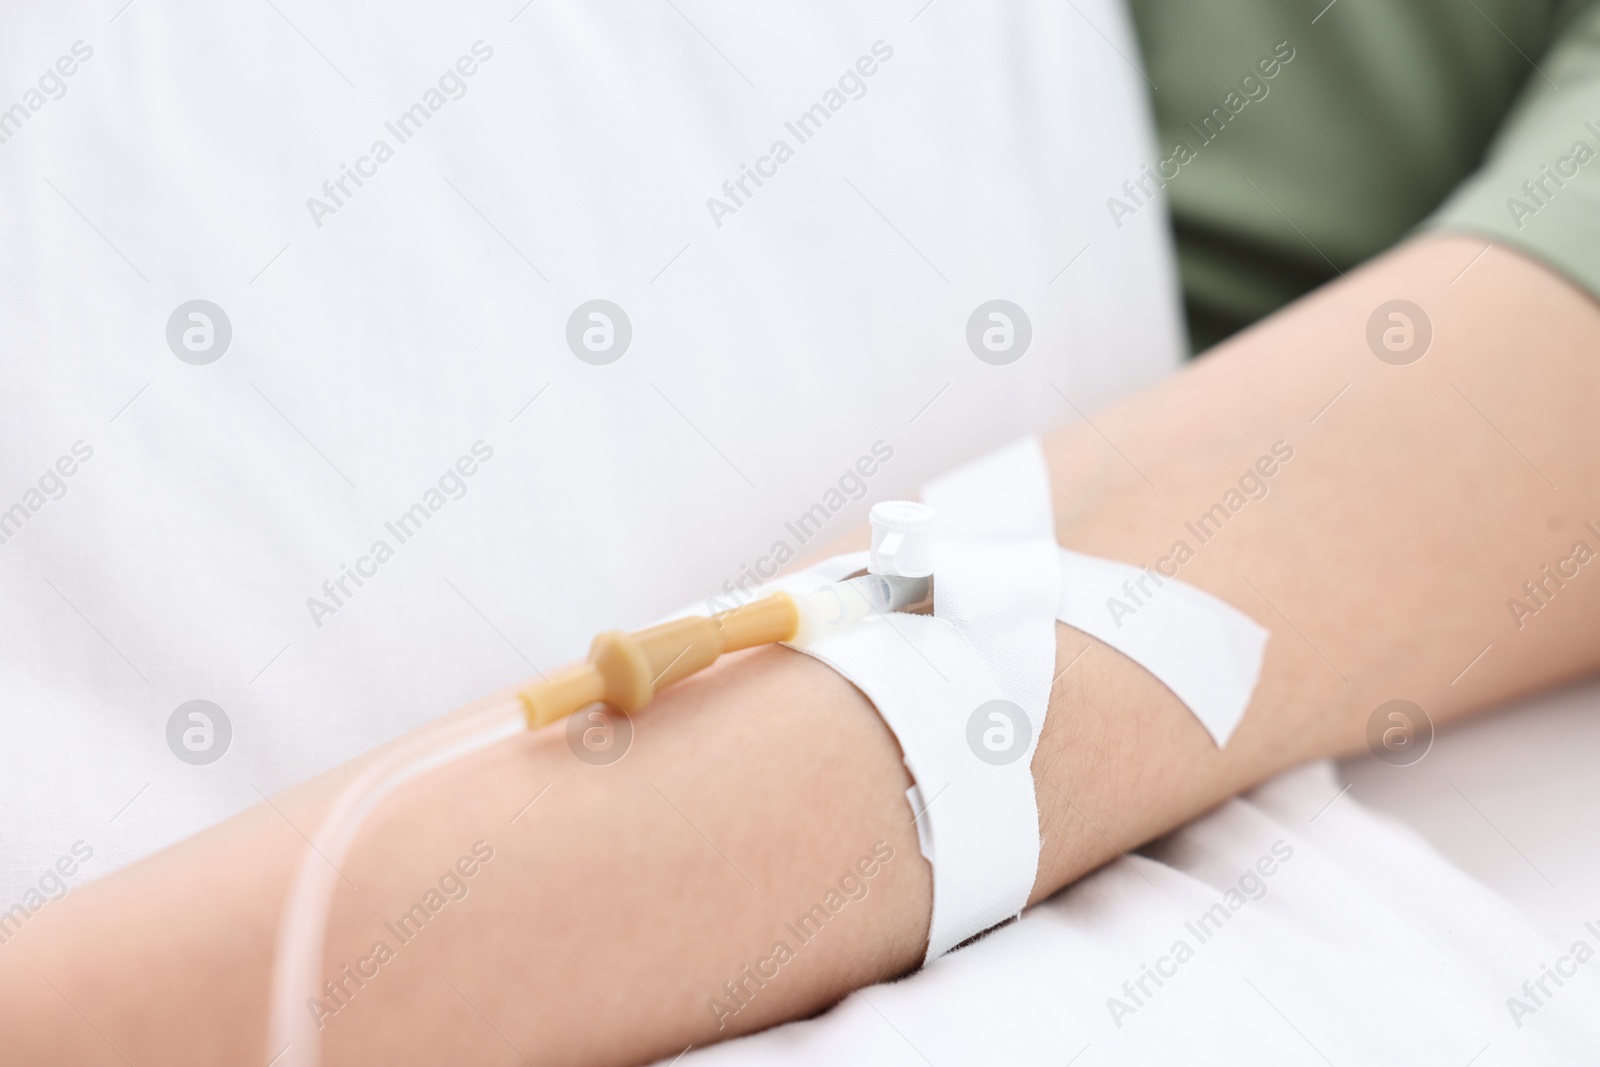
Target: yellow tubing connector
{"points": [[625, 670]]}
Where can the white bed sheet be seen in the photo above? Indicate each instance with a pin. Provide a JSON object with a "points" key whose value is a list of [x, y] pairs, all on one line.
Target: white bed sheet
{"points": [[1513, 799], [1367, 946]]}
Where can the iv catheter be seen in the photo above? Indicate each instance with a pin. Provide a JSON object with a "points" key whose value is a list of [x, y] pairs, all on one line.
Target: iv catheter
{"points": [[624, 670]]}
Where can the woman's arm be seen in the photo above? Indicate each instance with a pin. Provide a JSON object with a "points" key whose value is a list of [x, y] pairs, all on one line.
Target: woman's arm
{"points": [[1417, 500]]}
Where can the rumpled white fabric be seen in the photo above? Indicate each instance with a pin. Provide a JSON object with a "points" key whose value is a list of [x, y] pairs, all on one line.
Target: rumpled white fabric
{"points": [[1365, 947]]}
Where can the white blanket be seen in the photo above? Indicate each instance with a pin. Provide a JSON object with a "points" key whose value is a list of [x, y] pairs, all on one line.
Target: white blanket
{"points": [[1362, 946]]}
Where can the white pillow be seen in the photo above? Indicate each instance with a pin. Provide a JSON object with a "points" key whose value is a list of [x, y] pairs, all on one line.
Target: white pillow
{"points": [[782, 345]]}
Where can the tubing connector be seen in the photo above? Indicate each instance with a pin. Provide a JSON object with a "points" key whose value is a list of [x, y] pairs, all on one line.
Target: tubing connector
{"points": [[625, 670]]}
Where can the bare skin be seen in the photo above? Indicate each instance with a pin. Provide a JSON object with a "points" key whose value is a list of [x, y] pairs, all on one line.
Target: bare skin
{"points": [[616, 906]]}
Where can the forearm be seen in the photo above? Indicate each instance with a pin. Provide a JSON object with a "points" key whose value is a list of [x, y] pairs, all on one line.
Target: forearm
{"points": [[1384, 554], [1417, 502], [617, 904]]}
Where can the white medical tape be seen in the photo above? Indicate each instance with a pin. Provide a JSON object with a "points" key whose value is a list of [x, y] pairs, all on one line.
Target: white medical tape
{"points": [[1205, 650], [977, 823], [997, 569], [1001, 582], [936, 682], [999, 575]]}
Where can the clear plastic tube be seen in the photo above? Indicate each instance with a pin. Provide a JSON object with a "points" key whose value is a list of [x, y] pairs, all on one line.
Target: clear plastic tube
{"points": [[295, 1039]]}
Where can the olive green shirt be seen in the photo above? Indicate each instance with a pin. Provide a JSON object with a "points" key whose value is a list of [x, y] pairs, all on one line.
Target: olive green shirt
{"points": [[1297, 140]]}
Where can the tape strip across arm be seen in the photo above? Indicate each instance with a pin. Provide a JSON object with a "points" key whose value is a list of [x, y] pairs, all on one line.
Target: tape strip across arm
{"points": [[1003, 580], [966, 690]]}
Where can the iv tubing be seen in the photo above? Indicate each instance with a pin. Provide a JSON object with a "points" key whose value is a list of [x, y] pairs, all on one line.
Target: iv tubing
{"points": [[623, 670], [297, 976]]}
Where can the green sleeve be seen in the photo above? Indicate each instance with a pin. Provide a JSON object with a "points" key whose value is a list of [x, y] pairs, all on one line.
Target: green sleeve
{"points": [[1539, 187]]}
